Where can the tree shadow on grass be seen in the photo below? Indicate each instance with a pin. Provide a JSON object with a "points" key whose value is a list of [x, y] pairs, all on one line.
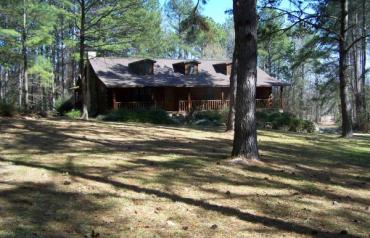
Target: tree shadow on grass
{"points": [[227, 211], [47, 139], [41, 210], [192, 154], [193, 176]]}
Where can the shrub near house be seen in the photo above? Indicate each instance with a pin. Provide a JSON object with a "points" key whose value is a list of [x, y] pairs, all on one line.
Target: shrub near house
{"points": [[284, 121], [152, 115], [7, 109], [277, 120]]}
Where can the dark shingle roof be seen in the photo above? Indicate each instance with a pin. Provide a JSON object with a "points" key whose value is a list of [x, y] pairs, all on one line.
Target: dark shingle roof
{"points": [[113, 72]]}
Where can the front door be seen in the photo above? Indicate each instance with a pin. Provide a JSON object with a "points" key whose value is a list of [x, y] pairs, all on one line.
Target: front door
{"points": [[170, 99]]}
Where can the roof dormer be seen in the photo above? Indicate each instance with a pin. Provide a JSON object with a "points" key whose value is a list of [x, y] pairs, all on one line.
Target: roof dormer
{"points": [[142, 67], [223, 68], [186, 67]]}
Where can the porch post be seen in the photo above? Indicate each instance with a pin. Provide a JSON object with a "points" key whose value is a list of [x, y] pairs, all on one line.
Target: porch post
{"points": [[281, 98], [189, 100], [114, 100], [154, 99], [223, 100]]}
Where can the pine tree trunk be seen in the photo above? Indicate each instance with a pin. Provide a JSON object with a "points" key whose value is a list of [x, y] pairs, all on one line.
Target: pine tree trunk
{"points": [[55, 55], [20, 88], [84, 83], [356, 56], [317, 102], [269, 60], [25, 57], [1, 84], [360, 97], [245, 136], [346, 107], [43, 99], [358, 88], [62, 59], [5, 86], [233, 77], [302, 109], [53, 94]]}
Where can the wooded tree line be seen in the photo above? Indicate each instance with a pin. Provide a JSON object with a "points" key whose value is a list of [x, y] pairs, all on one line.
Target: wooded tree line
{"points": [[43, 43], [43, 46], [320, 47]]}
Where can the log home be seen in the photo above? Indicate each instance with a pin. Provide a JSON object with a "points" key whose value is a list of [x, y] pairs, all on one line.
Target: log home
{"points": [[173, 85]]}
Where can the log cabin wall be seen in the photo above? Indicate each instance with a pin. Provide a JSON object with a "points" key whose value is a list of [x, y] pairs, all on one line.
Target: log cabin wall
{"points": [[263, 92], [209, 93], [98, 93], [133, 94], [102, 95], [92, 83]]}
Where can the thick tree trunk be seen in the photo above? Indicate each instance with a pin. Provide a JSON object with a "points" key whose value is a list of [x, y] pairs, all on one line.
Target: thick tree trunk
{"points": [[84, 83], [233, 78], [245, 136], [346, 107]]}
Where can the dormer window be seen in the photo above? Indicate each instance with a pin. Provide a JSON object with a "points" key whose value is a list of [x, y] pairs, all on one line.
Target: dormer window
{"points": [[186, 67], [223, 68], [142, 67]]}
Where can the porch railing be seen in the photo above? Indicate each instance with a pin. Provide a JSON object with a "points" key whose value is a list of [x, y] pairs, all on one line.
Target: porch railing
{"points": [[203, 105], [196, 105], [210, 105], [267, 104]]}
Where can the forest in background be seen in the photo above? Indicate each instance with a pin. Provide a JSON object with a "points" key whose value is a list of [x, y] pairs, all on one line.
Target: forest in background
{"points": [[43, 44]]}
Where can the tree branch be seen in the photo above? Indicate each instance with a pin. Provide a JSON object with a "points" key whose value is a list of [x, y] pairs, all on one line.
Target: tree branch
{"points": [[356, 41], [109, 12], [304, 19]]}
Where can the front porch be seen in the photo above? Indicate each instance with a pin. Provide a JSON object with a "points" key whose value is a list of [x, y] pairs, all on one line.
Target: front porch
{"points": [[195, 105], [188, 99]]}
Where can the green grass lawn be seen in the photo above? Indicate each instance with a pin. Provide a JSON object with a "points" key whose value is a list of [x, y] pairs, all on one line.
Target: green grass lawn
{"points": [[66, 178]]}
